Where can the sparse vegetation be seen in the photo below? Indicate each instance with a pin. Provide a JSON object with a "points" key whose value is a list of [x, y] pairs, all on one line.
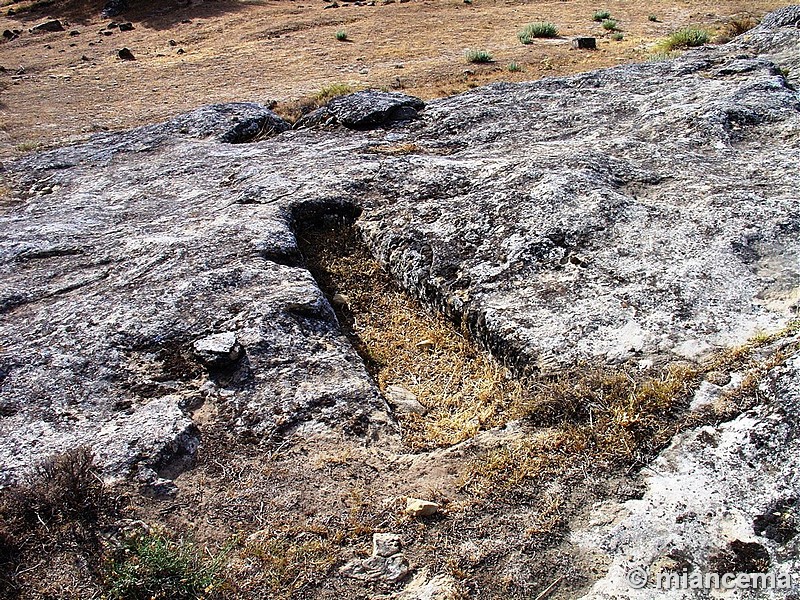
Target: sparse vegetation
{"points": [[607, 418], [56, 511], [652, 18], [617, 37], [733, 28], [152, 567], [292, 111], [689, 37], [514, 67], [27, 146], [609, 24], [478, 56], [541, 29], [341, 35], [601, 15]]}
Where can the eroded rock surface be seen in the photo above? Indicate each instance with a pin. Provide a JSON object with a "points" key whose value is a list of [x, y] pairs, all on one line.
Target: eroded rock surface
{"points": [[719, 500], [647, 211]]}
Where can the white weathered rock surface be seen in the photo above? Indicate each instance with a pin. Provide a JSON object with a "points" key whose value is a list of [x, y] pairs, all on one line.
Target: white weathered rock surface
{"points": [[717, 498], [645, 211], [387, 562]]}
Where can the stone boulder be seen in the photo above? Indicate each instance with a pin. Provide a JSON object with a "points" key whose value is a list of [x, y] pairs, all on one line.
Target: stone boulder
{"points": [[369, 109]]}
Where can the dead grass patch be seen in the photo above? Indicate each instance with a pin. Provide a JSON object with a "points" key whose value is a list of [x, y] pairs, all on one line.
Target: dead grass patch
{"points": [[616, 419], [294, 110], [733, 28]]}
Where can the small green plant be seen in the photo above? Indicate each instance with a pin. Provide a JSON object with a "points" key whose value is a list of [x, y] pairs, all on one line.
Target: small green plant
{"points": [[27, 146], [152, 567], [652, 18], [331, 91], [689, 37], [514, 67], [478, 56], [617, 37], [341, 35], [609, 24], [541, 29], [601, 15]]}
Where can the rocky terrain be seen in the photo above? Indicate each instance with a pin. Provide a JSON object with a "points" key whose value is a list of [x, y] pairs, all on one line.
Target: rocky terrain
{"points": [[156, 288]]}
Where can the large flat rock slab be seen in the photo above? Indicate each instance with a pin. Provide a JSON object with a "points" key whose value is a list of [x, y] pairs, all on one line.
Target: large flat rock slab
{"points": [[646, 212]]}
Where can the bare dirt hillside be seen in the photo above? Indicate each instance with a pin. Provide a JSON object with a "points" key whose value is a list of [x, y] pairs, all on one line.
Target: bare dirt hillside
{"points": [[59, 86]]}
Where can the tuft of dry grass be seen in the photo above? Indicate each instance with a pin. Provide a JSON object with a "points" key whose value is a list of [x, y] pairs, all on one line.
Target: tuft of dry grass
{"points": [[293, 111], [398, 149], [733, 28]]}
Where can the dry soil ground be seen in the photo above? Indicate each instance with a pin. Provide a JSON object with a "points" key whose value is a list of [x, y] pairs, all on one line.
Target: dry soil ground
{"points": [[55, 87]]}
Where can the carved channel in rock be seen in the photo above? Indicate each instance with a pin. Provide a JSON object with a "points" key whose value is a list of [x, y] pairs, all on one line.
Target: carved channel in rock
{"points": [[442, 387]]}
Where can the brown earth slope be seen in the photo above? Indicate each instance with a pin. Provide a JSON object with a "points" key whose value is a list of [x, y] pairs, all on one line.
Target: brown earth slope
{"points": [[65, 85]]}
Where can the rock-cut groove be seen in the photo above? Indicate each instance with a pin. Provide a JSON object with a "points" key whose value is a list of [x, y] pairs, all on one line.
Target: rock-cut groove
{"points": [[443, 388]]}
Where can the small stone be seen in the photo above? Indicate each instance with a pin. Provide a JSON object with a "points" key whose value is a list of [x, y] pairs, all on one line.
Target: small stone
{"points": [[386, 544], [420, 508], [106, 32], [181, 51], [74, 32], [425, 344], [403, 401], [172, 43], [585, 43], [126, 26], [112, 25], [126, 54], [218, 350], [340, 301]]}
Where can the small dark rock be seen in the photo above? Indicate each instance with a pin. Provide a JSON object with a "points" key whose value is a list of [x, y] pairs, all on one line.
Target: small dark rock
{"points": [[181, 51], [74, 32], [107, 32], [112, 25], [85, 58], [585, 43], [126, 26], [9, 35], [52, 25], [172, 43], [126, 54], [258, 127]]}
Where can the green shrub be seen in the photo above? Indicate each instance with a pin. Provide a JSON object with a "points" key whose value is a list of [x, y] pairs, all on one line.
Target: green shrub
{"points": [[540, 29], [341, 35], [609, 24], [652, 18], [514, 67], [478, 56], [601, 15], [617, 37], [685, 38], [151, 567], [331, 91]]}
